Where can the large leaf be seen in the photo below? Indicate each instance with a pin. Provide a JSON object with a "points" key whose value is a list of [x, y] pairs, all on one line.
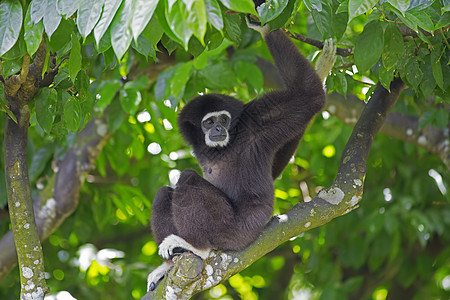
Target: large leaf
{"points": [[369, 46], [51, 17], [358, 7], [10, 24], [72, 114], [88, 15], [33, 33], [74, 58], [214, 14], [194, 15], [37, 10], [244, 6], [436, 67], [109, 11], [120, 29], [393, 46], [421, 18], [107, 93], [67, 7], [142, 13], [177, 25], [46, 101], [413, 74], [323, 20], [401, 5], [180, 78], [271, 9], [116, 115], [130, 100]]}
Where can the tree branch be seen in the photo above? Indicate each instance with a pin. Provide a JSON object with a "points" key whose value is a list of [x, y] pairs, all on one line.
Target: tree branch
{"points": [[53, 209], [19, 90], [191, 275], [319, 44]]}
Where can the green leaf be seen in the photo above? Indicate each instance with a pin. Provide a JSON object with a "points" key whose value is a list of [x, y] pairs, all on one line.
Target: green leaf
{"points": [[10, 67], [107, 93], [144, 47], [67, 7], [62, 36], [3, 106], [219, 76], [421, 19], [120, 29], [413, 74], [109, 11], [369, 46], [436, 67], [46, 102], [51, 18], [427, 117], [37, 10], [428, 83], [116, 115], [214, 14], [175, 21], [393, 46], [142, 13], [401, 5], [74, 58], [243, 6], [194, 15], [442, 117], [140, 83], [386, 77], [153, 32], [161, 16], [313, 5], [323, 20], [88, 16], [10, 24], [40, 159], [271, 9], [232, 28], [358, 7], [339, 21], [130, 100], [72, 114], [180, 78], [162, 83], [33, 33]]}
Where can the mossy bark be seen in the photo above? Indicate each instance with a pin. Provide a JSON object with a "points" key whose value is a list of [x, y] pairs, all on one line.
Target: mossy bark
{"points": [[19, 91]]}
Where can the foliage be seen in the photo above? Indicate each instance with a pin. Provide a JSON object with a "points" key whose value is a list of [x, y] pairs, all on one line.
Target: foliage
{"points": [[138, 61]]}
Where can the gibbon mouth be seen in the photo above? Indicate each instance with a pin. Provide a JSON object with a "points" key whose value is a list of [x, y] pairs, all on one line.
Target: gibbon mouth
{"points": [[218, 138]]}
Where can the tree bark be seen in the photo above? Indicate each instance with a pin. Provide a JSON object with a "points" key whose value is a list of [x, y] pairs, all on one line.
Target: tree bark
{"points": [[19, 91]]}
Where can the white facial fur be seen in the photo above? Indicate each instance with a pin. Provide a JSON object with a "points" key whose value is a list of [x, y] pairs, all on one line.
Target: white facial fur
{"points": [[210, 143]]}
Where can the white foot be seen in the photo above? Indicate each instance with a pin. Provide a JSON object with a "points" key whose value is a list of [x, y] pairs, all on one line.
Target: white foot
{"points": [[166, 248], [326, 60], [154, 277]]}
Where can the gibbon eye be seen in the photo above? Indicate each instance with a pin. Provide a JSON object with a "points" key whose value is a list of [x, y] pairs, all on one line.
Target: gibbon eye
{"points": [[209, 121]]}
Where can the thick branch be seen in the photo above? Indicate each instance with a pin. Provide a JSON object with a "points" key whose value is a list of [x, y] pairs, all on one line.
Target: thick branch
{"points": [[190, 274], [19, 90], [55, 208]]}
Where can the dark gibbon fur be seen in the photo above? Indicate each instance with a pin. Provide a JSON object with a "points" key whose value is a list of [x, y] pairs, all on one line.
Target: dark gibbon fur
{"points": [[229, 207]]}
